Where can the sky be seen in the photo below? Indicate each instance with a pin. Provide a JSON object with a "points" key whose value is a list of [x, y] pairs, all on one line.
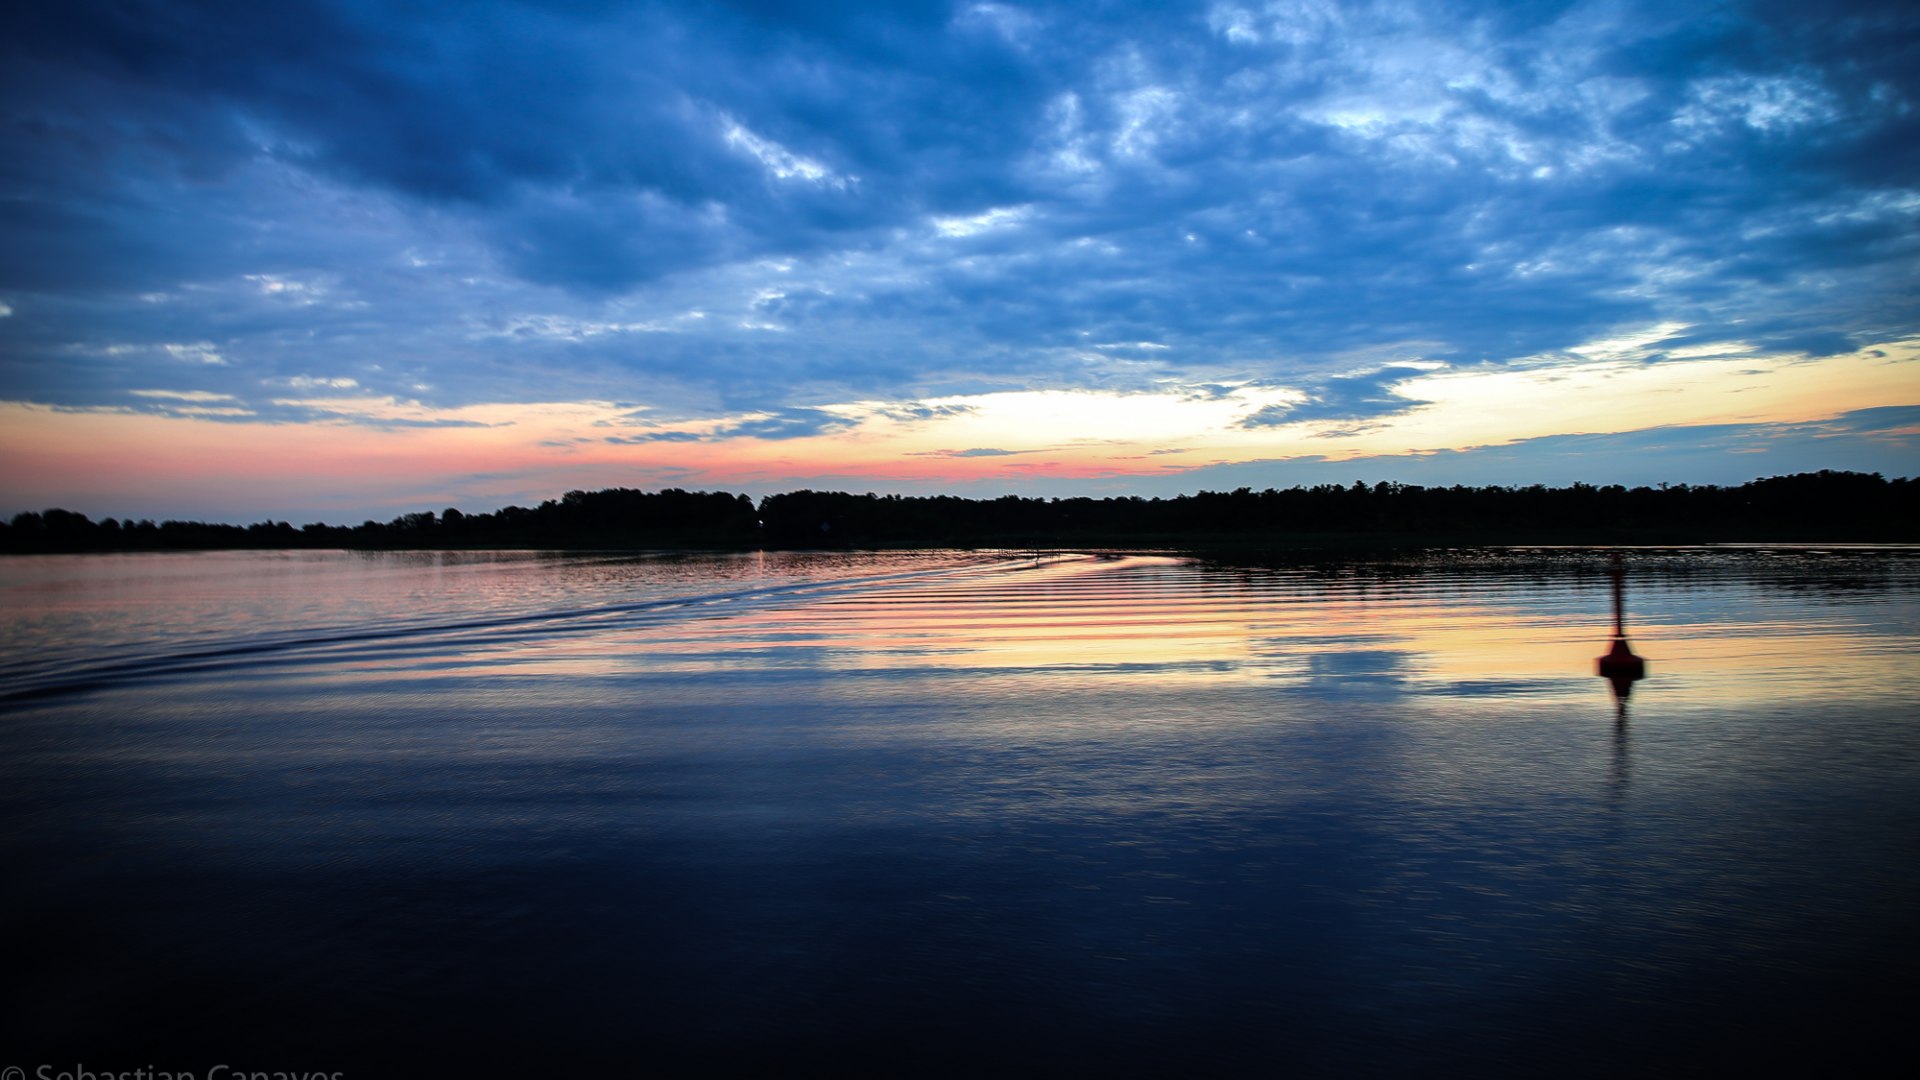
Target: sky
{"points": [[329, 260]]}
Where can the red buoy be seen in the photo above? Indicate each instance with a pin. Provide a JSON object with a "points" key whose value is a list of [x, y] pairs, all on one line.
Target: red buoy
{"points": [[1620, 666]]}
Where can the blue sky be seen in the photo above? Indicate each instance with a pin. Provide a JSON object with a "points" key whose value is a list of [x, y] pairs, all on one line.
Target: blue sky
{"points": [[334, 259]]}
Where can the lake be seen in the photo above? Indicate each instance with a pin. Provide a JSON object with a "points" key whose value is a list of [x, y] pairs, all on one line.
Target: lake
{"points": [[419, 813]]}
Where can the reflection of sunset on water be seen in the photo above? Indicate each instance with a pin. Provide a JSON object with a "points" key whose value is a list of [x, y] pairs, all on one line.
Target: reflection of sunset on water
{"points": [[1161, 624]]}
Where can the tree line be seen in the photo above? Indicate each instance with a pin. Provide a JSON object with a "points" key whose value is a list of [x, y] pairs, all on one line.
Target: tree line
{"points": [[1822, 506]]}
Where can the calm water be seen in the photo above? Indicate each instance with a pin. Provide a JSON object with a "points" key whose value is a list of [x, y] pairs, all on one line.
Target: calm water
{"points": [[507, 813]]}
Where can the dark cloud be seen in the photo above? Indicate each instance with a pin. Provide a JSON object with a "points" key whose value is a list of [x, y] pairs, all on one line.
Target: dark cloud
{"points": [[920, 411], [786, 424], [1364, 396], [1901, 420], [657, 436], [1813, 342], [792, 423]]}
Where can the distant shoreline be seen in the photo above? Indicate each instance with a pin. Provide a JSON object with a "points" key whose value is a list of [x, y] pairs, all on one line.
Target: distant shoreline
{"points": [[1806, 508]]}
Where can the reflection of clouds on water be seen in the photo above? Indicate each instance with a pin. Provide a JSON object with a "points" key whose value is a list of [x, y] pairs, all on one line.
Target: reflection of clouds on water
{"points": [[1494, 688], [1352, 667], [1370, 674]]}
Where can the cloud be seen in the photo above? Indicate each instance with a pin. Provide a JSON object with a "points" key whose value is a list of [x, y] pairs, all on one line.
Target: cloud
{"points": [[1364, 396], [919, 411], [657, 437], [786, 424], [976, 452], [1814, 343], [1900, 420], [322, 382], [182, 395], [779, 425], [728, 210]]}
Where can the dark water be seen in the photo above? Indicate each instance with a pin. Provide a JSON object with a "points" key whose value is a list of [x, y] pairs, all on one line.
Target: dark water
{"points": [[510, 814]]}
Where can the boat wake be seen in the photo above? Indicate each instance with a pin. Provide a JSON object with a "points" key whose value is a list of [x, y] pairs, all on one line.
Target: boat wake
{"points": [[28, 680]]}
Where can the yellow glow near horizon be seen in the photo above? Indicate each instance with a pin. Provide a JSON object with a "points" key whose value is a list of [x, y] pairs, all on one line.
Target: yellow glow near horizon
{"points": [[1612, 396], [1148, 432], [414, 452]]}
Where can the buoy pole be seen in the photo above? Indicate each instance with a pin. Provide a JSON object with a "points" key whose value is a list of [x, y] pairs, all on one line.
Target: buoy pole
{"points": [[1619, 599]]}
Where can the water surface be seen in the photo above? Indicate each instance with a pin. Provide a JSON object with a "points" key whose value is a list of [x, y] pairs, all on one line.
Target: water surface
{"points": [[949, 812]]}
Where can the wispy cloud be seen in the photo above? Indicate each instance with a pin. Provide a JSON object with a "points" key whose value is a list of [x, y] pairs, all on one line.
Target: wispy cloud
{"points": [[976, 452]]}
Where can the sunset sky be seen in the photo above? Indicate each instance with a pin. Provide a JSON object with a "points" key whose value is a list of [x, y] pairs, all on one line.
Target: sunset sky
{"points": [[319, 260]]}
